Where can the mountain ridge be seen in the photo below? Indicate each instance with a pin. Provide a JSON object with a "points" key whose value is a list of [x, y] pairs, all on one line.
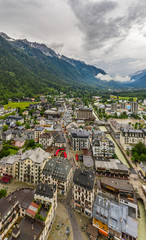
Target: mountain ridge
{"points": [[45, 69], [25, 70]]}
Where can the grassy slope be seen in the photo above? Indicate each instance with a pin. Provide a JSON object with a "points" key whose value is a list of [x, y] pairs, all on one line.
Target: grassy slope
{"points": [[22, 105]]}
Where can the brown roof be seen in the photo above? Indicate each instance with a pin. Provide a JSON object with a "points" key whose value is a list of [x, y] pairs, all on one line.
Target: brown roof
{"points": [[45, 135], [24, 196], [117, 184], [5, 206], [29, 228], [93, 231]]}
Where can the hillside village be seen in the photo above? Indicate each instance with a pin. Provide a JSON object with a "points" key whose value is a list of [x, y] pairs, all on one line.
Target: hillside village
{"points": [[64, 151]]}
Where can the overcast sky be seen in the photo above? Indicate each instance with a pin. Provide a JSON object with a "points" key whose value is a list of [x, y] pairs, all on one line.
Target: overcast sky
{"points": [[110, 34]]}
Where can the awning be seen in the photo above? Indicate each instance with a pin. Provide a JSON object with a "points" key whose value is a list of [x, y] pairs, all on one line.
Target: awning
{"points": [[101, 231], [77, 204], [87, 210]]}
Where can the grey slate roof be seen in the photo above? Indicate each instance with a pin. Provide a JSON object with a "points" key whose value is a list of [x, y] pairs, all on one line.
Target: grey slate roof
{"points": [[80, 133], [8, 132], [110, 212], [58, 168], [115, 215], [101, 138], [111, 164], [131, 227], [84, 178], [59, 137], [26, 232], [45, 190]]}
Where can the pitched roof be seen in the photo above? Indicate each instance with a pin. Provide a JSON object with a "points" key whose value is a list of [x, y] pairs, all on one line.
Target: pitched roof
{"points": [[58, 168], [45, 190], [84, 178]]}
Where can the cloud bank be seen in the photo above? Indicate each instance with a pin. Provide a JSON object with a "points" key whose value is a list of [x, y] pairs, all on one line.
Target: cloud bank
{"points": [[116, 78], [109, 34]]}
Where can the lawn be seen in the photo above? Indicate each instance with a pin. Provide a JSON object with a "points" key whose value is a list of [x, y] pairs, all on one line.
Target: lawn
{"points": [[127, 98], [22, 105], [13, 151]]}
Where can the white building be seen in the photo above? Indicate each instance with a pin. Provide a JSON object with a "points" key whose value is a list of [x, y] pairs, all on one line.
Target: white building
{"points": [[26, 167], [130, 137], [83, 191], [102, 147], [80, 139], [58, 171], [46, 140], [38, 132]]}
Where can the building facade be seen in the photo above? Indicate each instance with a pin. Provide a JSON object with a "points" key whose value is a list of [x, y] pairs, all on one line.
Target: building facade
{"points": [[38, 132], [80, 139], [134, 107], [46, 140], [83, 191], [46, 195], [26, 167], [84, 113], [102, 147], [114, 107], [58, 171], [112, 219], [130, 137]]}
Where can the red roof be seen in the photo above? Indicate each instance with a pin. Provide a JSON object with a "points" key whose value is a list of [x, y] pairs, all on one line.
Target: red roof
{"points": [[33, 208], [5, 179]]}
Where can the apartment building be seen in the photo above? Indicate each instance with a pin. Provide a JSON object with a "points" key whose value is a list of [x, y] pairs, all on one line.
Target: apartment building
{"points": [[15, 118], [119, 190], [123, 105], [134, 107], [80, 139], [130, 137], [102, 147], [28, 214], [59, 139], [26, 167], [12, 207], [112, 219], [38, 132], [114, 107], [30, 165], [58, 171], [84, 113], [111, 168], [46, 195], [83, 191], [46, 140]]}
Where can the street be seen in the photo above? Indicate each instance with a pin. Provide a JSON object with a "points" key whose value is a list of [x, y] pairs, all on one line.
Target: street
{"points": [[77, 234]]}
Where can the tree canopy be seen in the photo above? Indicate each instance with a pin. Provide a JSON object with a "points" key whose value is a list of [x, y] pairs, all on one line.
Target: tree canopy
{"points": [[139, 152]]}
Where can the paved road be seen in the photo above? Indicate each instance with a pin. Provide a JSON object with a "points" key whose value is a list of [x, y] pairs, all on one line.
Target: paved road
{"points": [[77, 234], [69, 155]]}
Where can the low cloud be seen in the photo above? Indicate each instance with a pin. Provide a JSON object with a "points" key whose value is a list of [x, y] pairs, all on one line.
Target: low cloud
{"points": [[56, 46], [116, 78]]}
